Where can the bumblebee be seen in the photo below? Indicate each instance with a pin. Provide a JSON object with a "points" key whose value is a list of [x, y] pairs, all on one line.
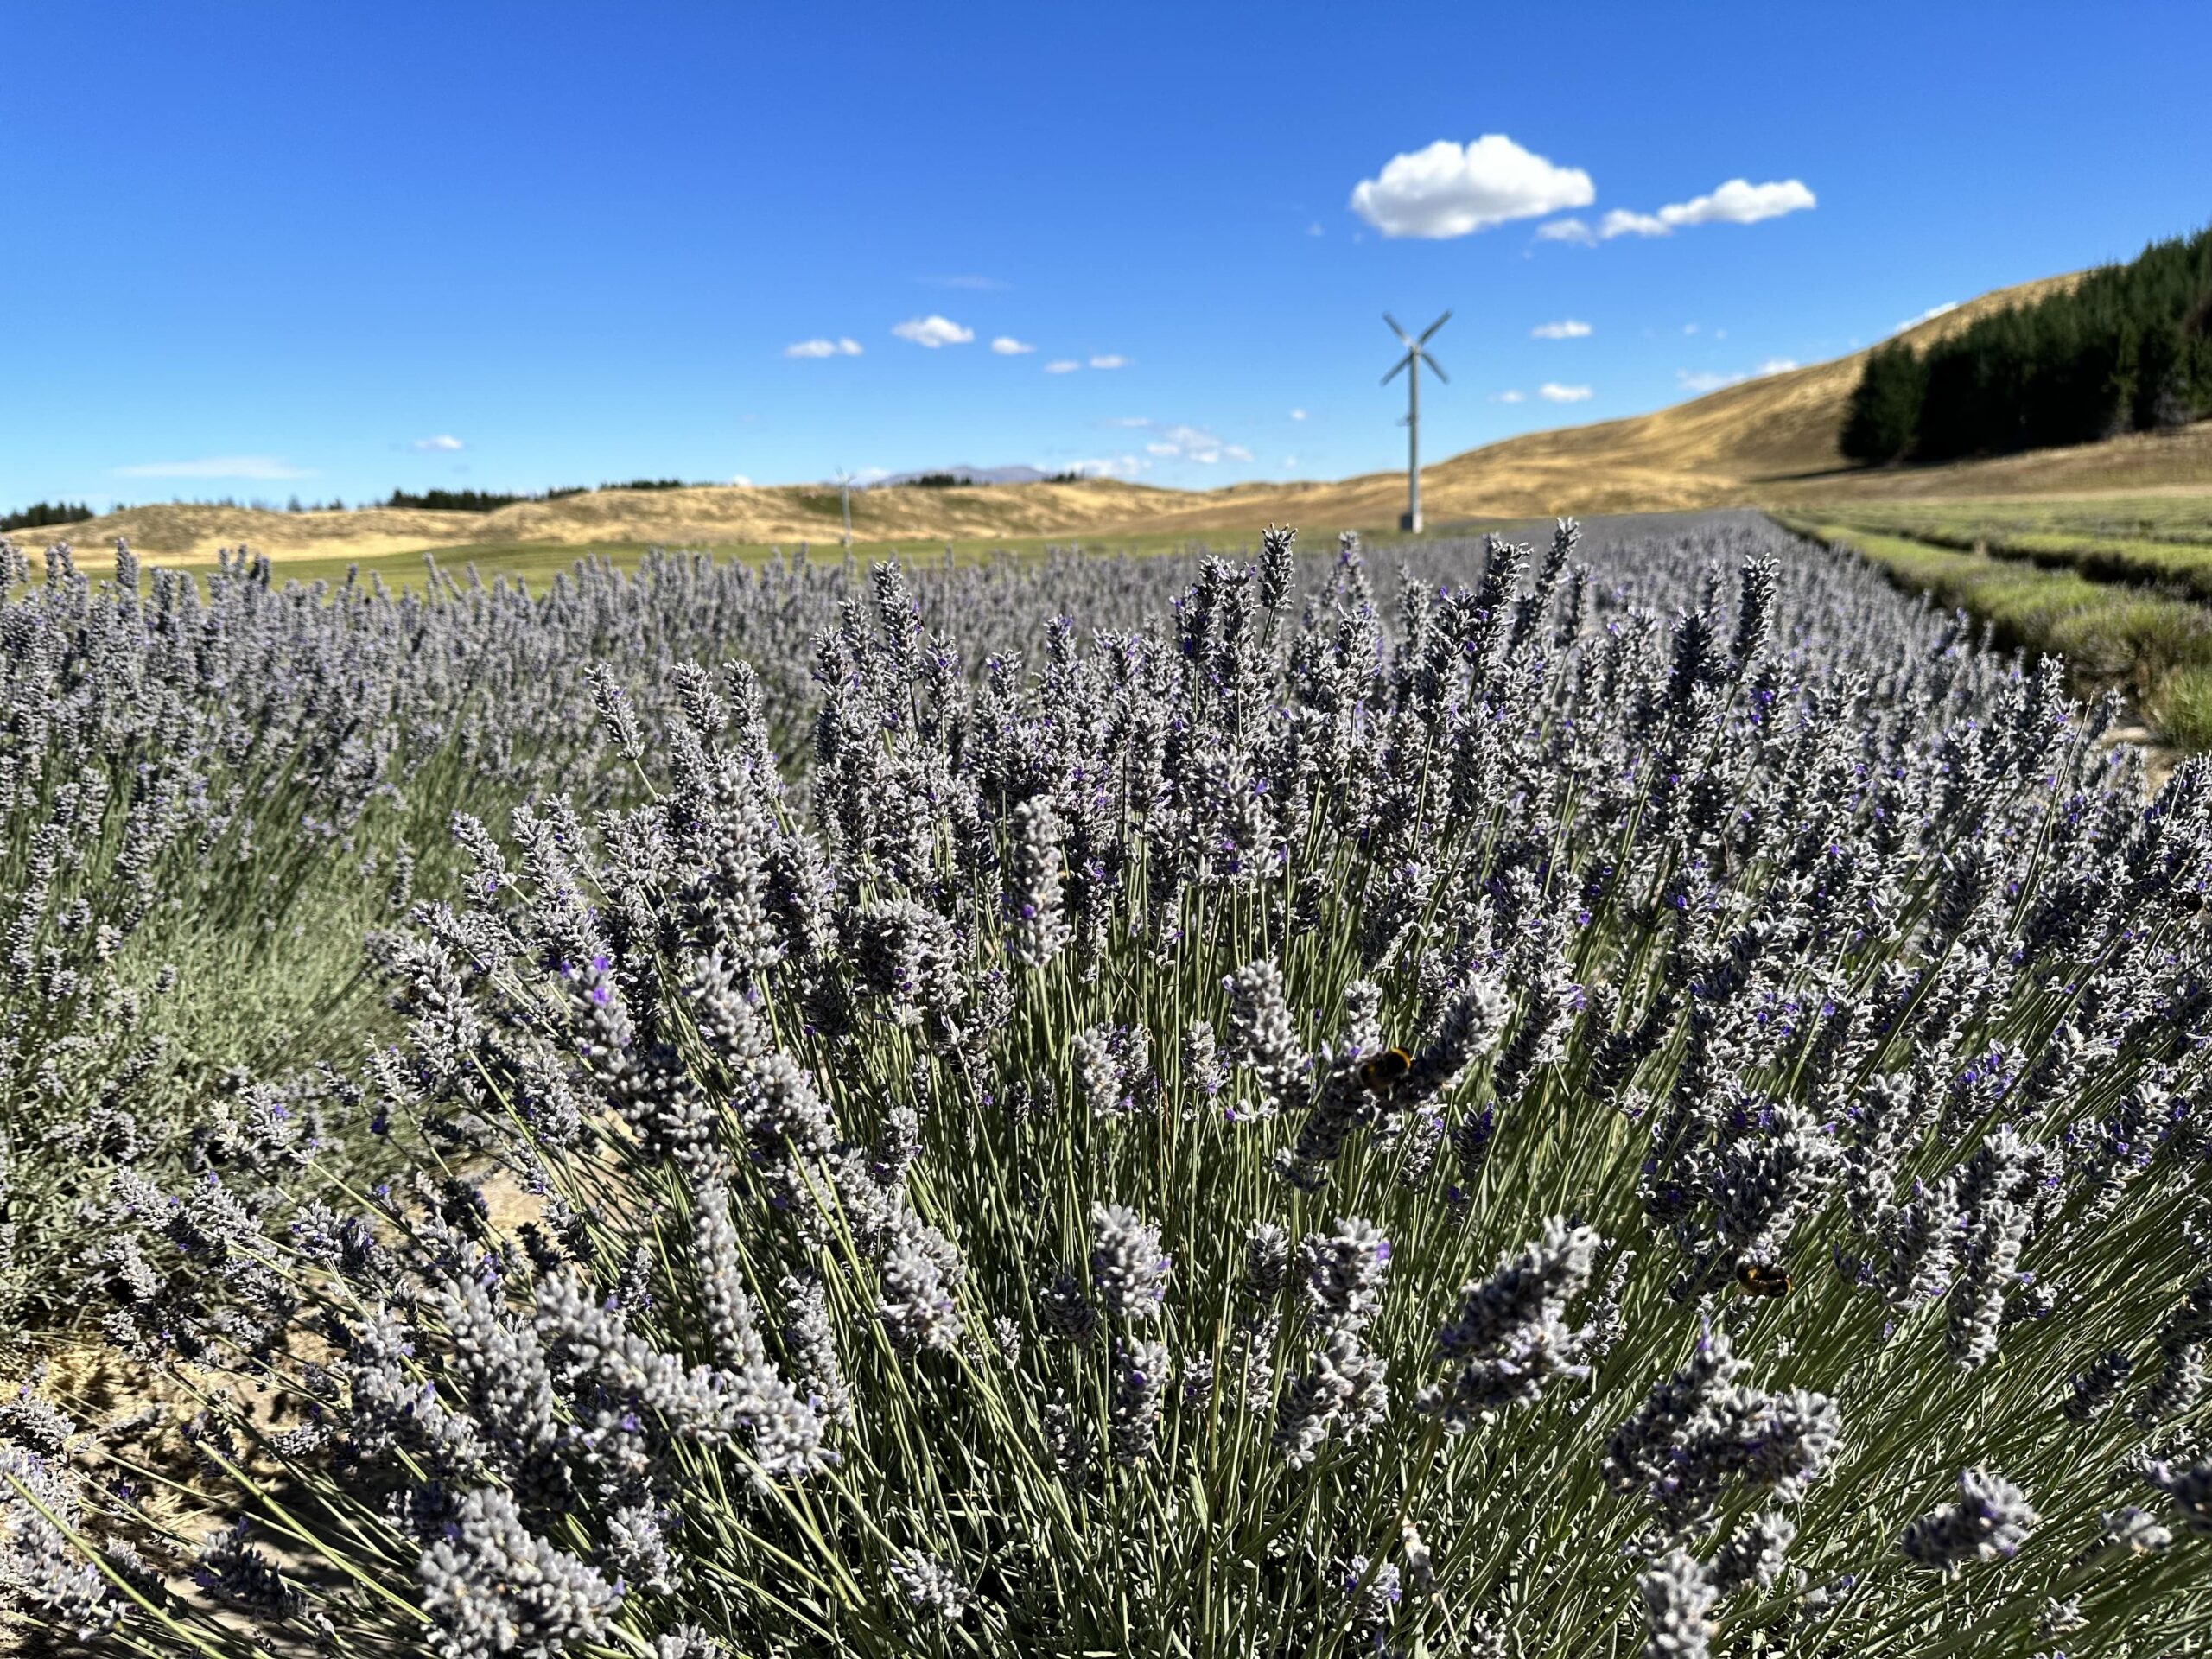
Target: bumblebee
{"points": [[1380, 1073], [1762, 1280]]}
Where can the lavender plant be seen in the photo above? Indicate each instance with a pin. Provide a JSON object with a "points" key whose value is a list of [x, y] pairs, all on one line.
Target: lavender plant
{"points": [[1567, 1114]]}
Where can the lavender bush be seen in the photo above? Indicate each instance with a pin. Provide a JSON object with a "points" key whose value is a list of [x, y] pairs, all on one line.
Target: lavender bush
{"points": [[1646, 1097]]}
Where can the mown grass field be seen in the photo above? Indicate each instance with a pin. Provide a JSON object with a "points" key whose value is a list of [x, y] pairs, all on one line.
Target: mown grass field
{"points": [[537, 563], [2123, 612], [2160, 540]]}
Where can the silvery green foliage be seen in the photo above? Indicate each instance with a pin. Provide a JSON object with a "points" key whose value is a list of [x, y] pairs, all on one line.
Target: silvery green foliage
{"points": [[1803, 1016]]}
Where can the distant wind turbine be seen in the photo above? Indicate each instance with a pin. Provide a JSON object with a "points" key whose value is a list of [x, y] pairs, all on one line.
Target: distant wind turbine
{"points": [[1411, 362]]}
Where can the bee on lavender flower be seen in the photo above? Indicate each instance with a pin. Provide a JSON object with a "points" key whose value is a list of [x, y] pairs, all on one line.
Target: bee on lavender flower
{"points": [[1764, 1279], [1380, 1073]]}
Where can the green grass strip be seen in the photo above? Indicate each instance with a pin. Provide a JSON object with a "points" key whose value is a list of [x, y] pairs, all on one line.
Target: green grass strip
{"points": [[2154, 646]]}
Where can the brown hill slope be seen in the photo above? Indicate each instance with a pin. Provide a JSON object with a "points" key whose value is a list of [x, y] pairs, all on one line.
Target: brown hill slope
{"points": [[1771, 441]]}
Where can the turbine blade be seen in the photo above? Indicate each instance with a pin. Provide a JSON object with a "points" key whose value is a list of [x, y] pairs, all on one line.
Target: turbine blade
{"points": [[1432, 328], [1434, 369], [1394, 329], [1397, 369]]}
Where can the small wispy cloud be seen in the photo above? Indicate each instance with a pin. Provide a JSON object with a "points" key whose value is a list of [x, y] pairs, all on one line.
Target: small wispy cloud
{"points": [[1737, 202], [1567, 230], [256, 467], [1567, 329], [1196, 443], [1929, 315], [934, 331], [1314, 229], [971, 284], [1109, 467], [1127, 420], [1062, 366], [1713, 379], [1007, 345], [1511, 398], [1108, 360], [839, 347], [1551, 392], [1297, 414], [741, 481], [444, 443]]}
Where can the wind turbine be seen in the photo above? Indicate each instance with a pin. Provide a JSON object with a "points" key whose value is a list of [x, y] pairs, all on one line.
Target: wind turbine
{"points": [[845, 501], [1415, 356]]}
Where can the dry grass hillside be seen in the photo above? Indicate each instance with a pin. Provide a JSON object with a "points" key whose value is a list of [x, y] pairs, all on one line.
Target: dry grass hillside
{"points": [[1769, 441]]}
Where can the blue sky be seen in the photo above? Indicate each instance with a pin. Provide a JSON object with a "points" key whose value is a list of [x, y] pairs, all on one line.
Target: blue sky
{"points": [[260, 250]]}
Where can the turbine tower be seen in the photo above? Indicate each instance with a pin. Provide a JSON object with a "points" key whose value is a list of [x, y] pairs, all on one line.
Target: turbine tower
{"points": [[845, 501], [1411, 362]]}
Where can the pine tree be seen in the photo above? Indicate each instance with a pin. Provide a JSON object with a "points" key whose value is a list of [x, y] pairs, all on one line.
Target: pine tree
{"points": [[1885, 411]]}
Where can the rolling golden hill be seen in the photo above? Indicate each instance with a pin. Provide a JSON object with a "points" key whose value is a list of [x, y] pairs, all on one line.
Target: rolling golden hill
{"points": [[1768, 441]]}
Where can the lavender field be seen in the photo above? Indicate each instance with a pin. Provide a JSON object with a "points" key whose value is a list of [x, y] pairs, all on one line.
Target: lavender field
{"points": [[1647, 1094]]}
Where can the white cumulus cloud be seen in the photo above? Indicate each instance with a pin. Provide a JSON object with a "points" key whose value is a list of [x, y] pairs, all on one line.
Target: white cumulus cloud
{"points": [[839, 347], [1007, 345], [1566, 329], [1551, 392], [1108, 360], [444, 443], [1450, 189], [1109, 467], [934, 331], [1062, 366], [741, 481], [1512, 397], [1737, 202], [245, 466]]}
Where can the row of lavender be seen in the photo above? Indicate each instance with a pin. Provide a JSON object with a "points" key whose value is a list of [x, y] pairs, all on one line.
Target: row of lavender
{"points": [[1645, 1098]]}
